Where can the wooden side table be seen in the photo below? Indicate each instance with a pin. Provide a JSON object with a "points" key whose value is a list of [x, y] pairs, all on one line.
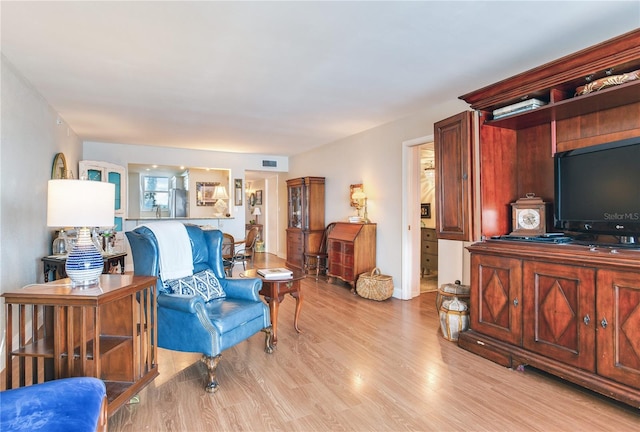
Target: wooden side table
{"points": [[105, 332], [56, 263], [274, 291]]}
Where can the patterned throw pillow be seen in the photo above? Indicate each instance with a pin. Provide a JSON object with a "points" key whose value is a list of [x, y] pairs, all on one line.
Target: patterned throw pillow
{"points": [[204, 284]]}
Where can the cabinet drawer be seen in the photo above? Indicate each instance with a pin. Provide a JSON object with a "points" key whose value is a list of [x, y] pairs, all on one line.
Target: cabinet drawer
{"points": [[347, 273], [347, 260], [430, 248], [430, 262], [429, 234], [335, 269]]}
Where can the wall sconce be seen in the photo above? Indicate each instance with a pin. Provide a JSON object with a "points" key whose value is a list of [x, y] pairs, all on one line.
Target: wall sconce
{"points": [[359, 198]]}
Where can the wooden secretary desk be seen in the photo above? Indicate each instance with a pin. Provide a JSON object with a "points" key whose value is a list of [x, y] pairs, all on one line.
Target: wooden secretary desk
{"points": [[352, 251], [106, 331]]}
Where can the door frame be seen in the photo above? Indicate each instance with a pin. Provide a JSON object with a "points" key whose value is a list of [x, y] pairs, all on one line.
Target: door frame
{"points": [[411, 216]]}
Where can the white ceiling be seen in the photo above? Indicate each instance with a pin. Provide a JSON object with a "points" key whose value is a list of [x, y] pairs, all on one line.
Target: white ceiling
{"points": [[280, 77]]}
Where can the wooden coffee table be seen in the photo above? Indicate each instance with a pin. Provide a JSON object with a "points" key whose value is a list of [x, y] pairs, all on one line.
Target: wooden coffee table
{"points": [[274, 291]]}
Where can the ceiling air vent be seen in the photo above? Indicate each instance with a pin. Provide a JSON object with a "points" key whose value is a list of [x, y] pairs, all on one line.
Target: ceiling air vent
{"points": [[268, 163]]}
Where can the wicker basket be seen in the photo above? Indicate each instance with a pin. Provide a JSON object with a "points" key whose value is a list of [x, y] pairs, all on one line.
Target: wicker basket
{"points": [[374, 286]]}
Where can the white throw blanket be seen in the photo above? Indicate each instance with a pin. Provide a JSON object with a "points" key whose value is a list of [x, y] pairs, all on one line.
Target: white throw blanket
{"points": [[174, 248]]}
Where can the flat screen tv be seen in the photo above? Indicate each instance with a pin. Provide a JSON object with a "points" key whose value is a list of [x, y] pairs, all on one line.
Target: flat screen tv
{"points": [[597, 190]]}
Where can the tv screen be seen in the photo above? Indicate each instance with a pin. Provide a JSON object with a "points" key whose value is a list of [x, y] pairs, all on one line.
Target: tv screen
{"points": [[597, 189]]}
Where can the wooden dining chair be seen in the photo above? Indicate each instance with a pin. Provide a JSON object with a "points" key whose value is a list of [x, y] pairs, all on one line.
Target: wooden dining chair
{"points": [[318, 260], [245, 254], [229, 252]]}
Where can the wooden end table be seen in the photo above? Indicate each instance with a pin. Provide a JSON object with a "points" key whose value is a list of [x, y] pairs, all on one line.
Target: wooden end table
{"points": [[274, 291], [106, 331]]}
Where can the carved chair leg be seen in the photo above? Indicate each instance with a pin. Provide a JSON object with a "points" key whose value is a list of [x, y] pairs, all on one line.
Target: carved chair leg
{"points": [[212, 364], [268, 340]]}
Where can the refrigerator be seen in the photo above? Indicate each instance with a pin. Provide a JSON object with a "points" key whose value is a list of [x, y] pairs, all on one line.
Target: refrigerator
{"points": [[178, 203]]}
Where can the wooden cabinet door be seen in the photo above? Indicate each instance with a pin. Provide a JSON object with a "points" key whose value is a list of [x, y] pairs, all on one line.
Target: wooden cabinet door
{"points": [[559, 312], [496, 297], [452, 144], [618, 323]]}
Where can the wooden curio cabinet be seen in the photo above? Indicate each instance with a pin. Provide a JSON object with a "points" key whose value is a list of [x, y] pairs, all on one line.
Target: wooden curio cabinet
{"points": [[305, 218]]}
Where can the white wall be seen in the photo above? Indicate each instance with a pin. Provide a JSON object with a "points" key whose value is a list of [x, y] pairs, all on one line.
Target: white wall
{"points": [[373, 158], [30, 139], [236, 163]]}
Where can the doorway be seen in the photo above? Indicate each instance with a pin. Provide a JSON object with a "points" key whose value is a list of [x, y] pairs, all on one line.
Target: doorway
{"points": [[411, 217], [261, 195], [428, 249]]}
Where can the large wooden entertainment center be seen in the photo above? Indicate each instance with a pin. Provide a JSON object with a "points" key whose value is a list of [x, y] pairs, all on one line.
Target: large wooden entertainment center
{"points": [[570, 309]]}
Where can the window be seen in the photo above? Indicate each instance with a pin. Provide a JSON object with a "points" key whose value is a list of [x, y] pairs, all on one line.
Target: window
{"points": [[155, 193]]}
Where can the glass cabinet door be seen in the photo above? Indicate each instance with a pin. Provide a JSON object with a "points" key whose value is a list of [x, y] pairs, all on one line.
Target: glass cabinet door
{"points": [[295, 207], [116, 174]]}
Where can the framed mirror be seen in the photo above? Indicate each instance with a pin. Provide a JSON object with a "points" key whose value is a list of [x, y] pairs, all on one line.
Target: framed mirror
{"points": [[59, 168], [205, 193], [238, 192]]}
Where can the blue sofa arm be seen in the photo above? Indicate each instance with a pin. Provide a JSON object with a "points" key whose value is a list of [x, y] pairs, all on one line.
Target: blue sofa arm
{"points": [[65, 405], [243, 288]]}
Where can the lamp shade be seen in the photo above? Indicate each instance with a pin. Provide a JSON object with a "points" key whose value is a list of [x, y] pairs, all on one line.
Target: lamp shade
{"points": [[80, 203], [358, 195], [220, 192], [256, 211]]}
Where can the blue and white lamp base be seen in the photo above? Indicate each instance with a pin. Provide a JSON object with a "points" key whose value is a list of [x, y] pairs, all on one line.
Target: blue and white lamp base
{"points": [[84, 263]]}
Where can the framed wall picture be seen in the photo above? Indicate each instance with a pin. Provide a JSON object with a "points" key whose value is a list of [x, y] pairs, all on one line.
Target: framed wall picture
{"points": [[259, 197], [237, 187], [204, 193], [425, 210]]}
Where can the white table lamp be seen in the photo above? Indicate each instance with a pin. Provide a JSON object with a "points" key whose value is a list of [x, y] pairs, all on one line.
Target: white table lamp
{"points": [[220, 194], [81, 204], [256, 212]]}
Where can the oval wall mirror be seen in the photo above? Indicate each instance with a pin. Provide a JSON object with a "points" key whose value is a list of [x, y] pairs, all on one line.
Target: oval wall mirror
{"points": [[59, 169]]}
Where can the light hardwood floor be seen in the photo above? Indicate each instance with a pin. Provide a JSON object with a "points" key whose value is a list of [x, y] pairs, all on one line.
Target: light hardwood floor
{"points": [[361, 365]]}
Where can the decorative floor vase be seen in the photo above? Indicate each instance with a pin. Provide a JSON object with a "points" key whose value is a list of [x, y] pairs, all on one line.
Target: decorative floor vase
{"points": [[454, 318]]}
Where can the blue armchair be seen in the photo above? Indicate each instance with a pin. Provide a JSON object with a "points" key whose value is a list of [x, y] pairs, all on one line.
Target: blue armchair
{"points": [[188, 323]]}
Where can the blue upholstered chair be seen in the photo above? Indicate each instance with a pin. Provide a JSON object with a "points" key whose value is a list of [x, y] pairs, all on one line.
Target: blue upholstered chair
{"points": [[67, 405], [188, 323]]}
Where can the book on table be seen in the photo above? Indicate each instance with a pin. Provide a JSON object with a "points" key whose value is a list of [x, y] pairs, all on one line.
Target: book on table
{"points": [[275, 273]]}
